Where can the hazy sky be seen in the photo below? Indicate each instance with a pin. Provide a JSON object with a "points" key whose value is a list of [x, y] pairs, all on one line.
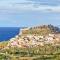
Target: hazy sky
{"points": [[20, 13]]}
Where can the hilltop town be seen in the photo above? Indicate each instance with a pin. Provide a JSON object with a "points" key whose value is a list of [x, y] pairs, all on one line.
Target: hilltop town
{"points": [[34, 43], [36, 36]]}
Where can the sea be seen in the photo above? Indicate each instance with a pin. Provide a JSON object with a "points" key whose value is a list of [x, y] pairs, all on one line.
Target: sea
{"points": [[6, 33]]}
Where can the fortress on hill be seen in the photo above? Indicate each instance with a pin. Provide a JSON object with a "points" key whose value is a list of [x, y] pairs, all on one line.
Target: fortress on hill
{"points": [[40, 30]]}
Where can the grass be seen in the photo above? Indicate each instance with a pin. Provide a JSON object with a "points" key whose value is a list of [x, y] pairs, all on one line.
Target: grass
{"points": [[3, 44], [46, 52]]}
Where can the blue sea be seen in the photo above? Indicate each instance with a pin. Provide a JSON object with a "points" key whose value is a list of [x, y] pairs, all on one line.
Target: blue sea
{"points": [[7, 33]]}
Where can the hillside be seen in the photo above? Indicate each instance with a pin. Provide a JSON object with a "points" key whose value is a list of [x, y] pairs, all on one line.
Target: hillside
{"points": [[41, 30], [35, 43], [36, 36]]}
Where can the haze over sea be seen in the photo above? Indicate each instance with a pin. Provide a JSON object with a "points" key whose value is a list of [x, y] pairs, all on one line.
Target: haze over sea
{"points": [[7, 33]]}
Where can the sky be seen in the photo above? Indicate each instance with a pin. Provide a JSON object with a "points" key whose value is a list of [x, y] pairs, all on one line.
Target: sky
{"points": [[27, 13]]}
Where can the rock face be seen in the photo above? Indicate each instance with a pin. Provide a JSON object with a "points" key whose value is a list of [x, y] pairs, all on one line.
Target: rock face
{"points": [[36, 36]]}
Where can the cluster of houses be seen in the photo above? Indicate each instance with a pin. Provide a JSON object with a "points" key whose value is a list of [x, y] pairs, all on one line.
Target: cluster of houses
{"points": [[34, 40]]}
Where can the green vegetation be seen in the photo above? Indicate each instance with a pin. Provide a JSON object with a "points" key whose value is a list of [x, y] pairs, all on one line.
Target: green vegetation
{"points": [[3, 44], [46, 52]]}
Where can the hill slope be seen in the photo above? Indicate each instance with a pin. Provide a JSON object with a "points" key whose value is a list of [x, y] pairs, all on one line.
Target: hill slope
{"points": [[41, 30]]}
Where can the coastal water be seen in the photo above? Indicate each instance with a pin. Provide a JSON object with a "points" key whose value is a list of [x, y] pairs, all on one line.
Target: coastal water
{"points": [[8, 32]]}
